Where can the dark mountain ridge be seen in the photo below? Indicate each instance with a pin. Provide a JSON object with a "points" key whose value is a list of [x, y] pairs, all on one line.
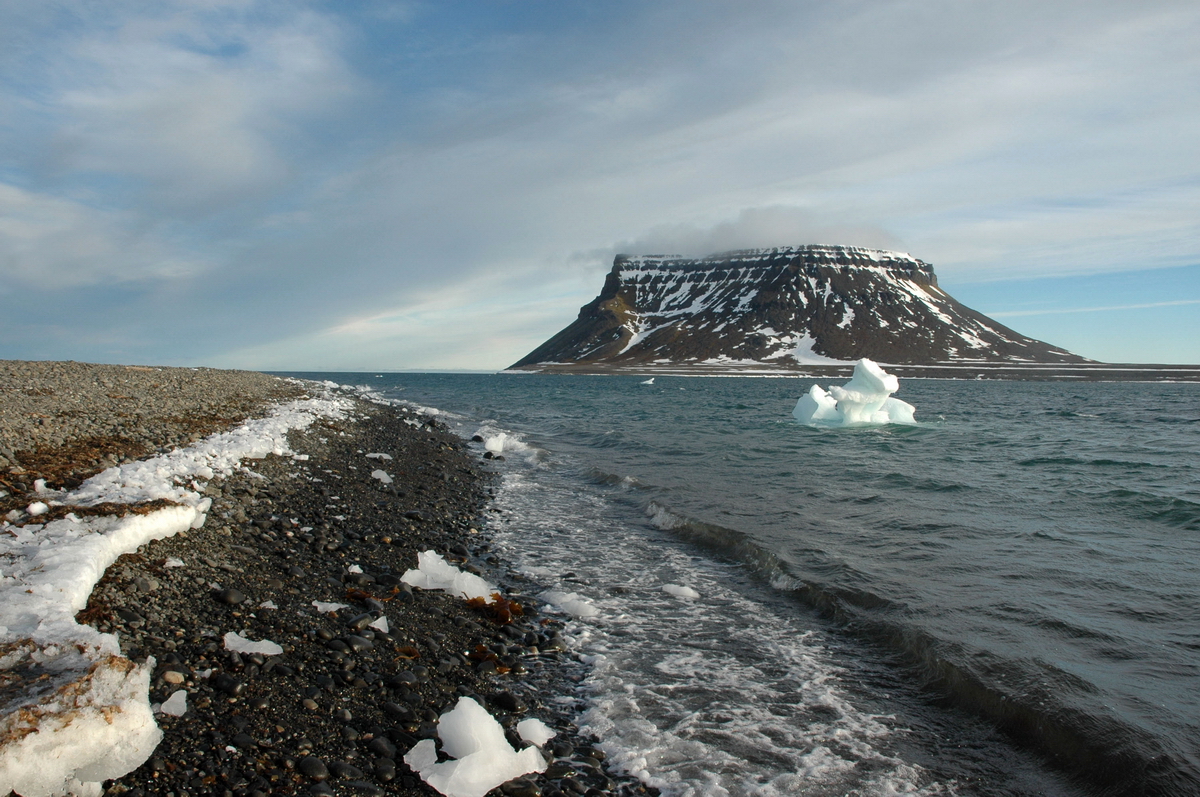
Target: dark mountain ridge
{"points": [[782, 308]]}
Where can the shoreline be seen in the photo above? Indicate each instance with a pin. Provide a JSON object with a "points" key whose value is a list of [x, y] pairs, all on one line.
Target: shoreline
{"points": [[967, 371], [337, 710]]}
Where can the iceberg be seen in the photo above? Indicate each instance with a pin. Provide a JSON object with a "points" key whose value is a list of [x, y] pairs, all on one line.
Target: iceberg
{"points": [[864, 400]]}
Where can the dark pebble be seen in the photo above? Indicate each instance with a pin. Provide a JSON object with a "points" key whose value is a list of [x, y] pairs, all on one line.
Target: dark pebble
{"points": [[344, 770], [312, 767], [382, 747], [385, 769], [243, 741], [231, 596], [359, 644], [223, 682], [363, 787], [508, 702]]}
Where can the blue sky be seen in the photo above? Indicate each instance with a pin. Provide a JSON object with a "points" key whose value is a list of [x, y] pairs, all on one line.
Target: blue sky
{"points": [[388, 185]]}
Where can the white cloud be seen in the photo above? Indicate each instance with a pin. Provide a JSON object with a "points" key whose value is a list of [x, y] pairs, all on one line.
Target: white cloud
{"points": [[198, 108], [51, 243]]}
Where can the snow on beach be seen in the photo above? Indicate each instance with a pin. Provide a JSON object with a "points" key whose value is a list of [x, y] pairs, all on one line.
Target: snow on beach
{"points": [[89, 718]]}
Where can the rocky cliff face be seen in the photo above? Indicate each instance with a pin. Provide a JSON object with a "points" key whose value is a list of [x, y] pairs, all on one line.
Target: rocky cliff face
{"points": [[782, 307]]}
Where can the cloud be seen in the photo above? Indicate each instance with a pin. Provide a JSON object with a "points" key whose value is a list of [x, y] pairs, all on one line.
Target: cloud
{"points": [[758, 228], [1112, 308], [52, 244], [191, 107], [463, 328]]}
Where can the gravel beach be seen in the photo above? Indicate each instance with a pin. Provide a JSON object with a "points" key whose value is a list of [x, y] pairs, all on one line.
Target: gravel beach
{"points": [[350, 693]]}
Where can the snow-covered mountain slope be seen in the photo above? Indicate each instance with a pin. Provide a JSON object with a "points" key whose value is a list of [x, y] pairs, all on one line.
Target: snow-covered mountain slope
{"points": [[783, 307]]}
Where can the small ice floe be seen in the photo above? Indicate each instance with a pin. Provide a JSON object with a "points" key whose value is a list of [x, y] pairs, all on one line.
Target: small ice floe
{"points": [[382, 476], [534, 731], [649, 381], [382, 456], [434, 572], [679, 591], [239, 644], [570, 602], [864, 400], [176, 704], [329, 608], [483, 758]]}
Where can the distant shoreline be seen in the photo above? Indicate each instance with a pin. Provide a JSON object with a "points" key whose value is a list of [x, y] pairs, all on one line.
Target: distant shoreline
{"points": [[998, 371]]}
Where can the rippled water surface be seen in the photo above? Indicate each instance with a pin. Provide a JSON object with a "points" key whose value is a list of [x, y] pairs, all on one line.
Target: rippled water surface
{"points": [[1004, 599]]}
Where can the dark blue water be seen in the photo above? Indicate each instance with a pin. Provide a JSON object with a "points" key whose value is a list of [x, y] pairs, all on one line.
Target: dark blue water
{"points": [[1003, 599]]}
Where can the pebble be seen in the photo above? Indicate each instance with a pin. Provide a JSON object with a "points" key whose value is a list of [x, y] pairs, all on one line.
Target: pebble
{"points": [[173, 677], [231, 596], [312, 767]]}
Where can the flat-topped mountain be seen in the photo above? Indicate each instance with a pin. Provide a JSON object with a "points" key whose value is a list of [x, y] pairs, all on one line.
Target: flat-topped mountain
{"points": [[782, 308]]}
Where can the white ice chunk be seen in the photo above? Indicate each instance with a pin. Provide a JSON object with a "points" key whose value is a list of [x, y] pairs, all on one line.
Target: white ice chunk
{"points": [[37, 508], [495, 443], [268, 605], [434, 572], [99, 728], [382, 476], [176, 704], [381, 624], [680, 592], [484, 758], [329, 608], [865, 399], [570, 602], [535, 731], [173, 562], [239, 644], [379, 456], [354, 569]]}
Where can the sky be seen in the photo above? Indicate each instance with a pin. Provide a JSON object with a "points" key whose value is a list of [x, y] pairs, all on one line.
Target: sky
{"points": [[375, 185]]}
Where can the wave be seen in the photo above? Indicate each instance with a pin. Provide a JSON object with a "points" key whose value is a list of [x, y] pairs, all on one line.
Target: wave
{"points": [[1025, 699], [1169, 510]]}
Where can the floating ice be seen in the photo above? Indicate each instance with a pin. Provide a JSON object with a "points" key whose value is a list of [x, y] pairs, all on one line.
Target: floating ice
{"points": [[865, 399], [485, 759], [434, 572], [534, 731], [570, 602], [382, 476], [176, 704], [495, 443], [239, 644], [649, 381], [680, 592]]}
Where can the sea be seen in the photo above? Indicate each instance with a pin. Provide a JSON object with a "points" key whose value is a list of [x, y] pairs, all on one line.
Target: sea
{"points": [[1002, 599]]}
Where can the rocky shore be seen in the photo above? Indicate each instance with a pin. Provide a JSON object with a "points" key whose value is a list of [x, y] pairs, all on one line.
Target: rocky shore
{"points": [[286, 540]]}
